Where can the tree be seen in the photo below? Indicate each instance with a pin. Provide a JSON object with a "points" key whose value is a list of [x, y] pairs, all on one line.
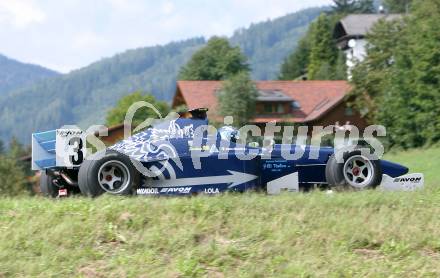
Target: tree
{"points": [[397, 6], [344, 6], [415, 79], [237, 98], [218, 60], [353, 6], [2, 147], [12, 177], [316, 54], [340, 69], [295, 65], [370, 77], [323, 53], [117, 114], [16, 149], [365, 7], [398, 82]]}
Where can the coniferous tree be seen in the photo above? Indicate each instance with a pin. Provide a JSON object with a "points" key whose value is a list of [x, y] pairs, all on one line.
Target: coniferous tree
{"points": [[353, 6], [364, 6], [12, 177], [371, 77], [323, 53], [2, 147], [397, 6], [344, 6], [340, 68], [16, 149], [415, 80], [398, 81], [295, 65], [316, 55]]}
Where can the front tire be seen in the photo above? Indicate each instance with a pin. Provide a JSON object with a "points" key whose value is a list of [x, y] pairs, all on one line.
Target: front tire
{"points": [[356, 171], [113, 173]]}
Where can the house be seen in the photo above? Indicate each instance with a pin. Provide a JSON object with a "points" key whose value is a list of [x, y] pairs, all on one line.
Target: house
{"points": [[114, 134], [311, 103], [350, 33]]}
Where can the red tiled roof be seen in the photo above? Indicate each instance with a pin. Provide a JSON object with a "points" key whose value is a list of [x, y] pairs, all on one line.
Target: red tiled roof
{"points": [[314, 97]]}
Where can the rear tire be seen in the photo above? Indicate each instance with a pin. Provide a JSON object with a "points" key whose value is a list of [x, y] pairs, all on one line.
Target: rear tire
{"points": [[113, 173], [47, 187], [356, 171]]}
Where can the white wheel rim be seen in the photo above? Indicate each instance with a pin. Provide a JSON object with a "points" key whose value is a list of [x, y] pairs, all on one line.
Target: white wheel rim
{"points": [[358, 171], [113, 176]]}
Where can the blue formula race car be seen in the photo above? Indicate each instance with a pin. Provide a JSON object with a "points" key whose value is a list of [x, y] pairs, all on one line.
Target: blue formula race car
{"points": [[182, 156]]}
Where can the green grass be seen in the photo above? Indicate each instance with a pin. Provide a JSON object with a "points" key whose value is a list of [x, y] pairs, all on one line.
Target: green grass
{"points": [[367, 234], [426, 161]]}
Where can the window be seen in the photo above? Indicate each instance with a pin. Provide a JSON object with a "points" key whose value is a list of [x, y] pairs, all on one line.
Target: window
{"points": [[268, 108], [274, 108], [280, 108]]}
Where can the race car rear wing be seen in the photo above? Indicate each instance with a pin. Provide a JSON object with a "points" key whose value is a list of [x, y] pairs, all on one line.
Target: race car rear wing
{"points": [[43, 150], [64, 147]]}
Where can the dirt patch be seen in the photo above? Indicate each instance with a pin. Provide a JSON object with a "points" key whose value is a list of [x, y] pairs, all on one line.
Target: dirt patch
{"points": [[430, 253], [215, 273], [125, 217], [369, 253], [93, 270]]}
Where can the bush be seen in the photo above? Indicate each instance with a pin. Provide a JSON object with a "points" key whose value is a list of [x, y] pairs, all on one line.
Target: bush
{"points": [[12, 177]]}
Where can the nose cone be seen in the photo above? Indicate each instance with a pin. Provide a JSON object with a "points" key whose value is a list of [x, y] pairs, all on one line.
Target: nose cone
{"points": [[393, 169]]}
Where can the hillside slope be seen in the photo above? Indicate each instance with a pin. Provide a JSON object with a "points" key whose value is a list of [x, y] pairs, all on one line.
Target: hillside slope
{"points": [[14, 74], [266, 44], [85, 95]]}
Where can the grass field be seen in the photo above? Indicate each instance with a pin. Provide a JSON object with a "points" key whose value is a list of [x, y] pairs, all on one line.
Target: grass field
{"points": [[368, 234]]}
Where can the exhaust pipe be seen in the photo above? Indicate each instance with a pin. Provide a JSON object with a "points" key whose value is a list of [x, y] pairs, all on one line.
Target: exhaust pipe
{"points": [[68, 179]]}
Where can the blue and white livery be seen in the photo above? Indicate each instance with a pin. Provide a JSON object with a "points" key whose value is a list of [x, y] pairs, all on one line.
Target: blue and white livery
{"points": [[183, 157]]}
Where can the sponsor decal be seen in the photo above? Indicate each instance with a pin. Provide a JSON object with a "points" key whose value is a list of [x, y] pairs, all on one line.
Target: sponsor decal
{"points": [[69, 132], [411, 179], [212, 190], [409, 182], [62, 192], [156, 191], [147, 191], [180, 190], [276, 165]]}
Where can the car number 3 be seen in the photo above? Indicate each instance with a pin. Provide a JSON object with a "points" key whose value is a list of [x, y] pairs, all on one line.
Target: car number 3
{"points": [[76, 144]]}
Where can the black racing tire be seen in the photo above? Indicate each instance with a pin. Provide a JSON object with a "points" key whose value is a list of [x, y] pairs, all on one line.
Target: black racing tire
{"points": [[91, 172], [47, 187], [330, 171], [334, 171]]}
